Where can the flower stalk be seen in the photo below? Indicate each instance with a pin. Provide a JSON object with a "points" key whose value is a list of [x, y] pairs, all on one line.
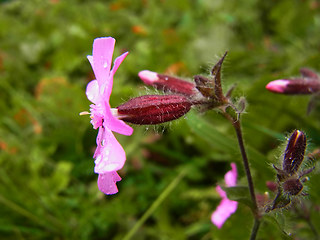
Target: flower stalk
{"points": [[237, 127], [235, 121], [207, 94]]}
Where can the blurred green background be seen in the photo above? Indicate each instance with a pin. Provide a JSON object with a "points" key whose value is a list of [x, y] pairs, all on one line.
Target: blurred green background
{"points": [[48, 188]]}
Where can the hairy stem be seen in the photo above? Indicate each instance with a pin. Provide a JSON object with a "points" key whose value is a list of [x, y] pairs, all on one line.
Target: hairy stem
{"points": [[237, 126]]}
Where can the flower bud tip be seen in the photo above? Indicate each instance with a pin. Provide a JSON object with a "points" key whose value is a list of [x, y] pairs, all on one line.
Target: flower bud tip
{"points": [[277, 86], [148, 77]]}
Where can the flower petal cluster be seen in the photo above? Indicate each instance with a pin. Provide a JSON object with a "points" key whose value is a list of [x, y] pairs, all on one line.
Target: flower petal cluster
{"points": [[226, 206], [109, 155]]}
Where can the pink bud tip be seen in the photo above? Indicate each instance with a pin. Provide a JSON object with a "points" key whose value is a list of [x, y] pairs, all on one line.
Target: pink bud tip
{"points": [[148, 77], [277, 86]]}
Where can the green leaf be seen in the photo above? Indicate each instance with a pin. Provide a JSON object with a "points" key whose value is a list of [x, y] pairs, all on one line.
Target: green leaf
{"points": [[240, 194], [276, 223], [224, 142]]}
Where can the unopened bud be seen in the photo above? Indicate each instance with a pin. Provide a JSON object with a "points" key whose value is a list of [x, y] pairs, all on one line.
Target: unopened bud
{"points": [[294, 153], [154, 109], [294, 86], [272, 186], [168, 83]]}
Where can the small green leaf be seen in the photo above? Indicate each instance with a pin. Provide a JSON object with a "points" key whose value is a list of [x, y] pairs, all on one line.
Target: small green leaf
{"points": [[240, 194], [276, 223]]}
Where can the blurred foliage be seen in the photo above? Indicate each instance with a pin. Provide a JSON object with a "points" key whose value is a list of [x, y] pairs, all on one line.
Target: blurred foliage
{"points": [[47, 185]]}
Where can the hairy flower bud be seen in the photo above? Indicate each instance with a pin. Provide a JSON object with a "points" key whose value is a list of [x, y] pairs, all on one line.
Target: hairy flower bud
{"points": [[307, 84], [294, 153], [168, 83], [154, 109], [290, 178], [294, 86]]}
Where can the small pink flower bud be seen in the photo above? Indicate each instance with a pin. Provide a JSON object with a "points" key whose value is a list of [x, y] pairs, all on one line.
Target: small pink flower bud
{"points": [[168, 83], [272, 186], [294, 86], [154, 109]]}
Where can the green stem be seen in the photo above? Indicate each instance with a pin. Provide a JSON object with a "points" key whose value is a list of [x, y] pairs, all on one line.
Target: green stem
{"points": [[313, 229], [156, 204], [255, 229], [237, 126]]}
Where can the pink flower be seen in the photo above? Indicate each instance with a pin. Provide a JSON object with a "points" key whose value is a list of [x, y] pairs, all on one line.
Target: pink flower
{"points": [[226, 206], [109, 155]]}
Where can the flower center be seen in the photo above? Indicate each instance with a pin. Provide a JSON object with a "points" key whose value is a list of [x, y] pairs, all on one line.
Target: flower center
{"points": [[97, 115]]}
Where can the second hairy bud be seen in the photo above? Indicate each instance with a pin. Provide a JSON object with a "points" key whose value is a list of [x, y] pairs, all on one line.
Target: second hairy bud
{"points": [[154, 109]]}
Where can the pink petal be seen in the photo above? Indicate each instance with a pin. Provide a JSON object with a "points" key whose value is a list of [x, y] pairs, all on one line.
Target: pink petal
{"points": [[90, 58], [98, 141], [110, 156], [92, 91], [226, 206], [117, 62], [115, 124], [116, 65], [102, 58], [223, 212], [221, 192], [107, 182], [230, 177]]}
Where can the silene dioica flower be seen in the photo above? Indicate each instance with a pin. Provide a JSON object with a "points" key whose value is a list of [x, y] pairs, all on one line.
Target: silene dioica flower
{"points": [[109, 155], [148, 109], [226, 206]]}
